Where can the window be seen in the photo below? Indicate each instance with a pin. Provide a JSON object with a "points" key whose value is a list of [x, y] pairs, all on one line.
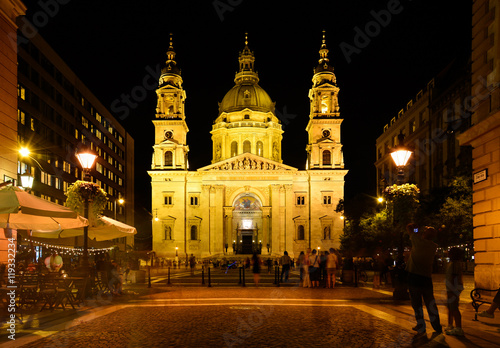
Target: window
{"points": [[168, 200], [194, 232], [194, 200], [300, 200], [21, 117], [412, 126], [327, 199], [260, 148], [168, 158], [246, 146], [234, 148], [300, 232], [327, 157], [21, 92], [168, 232]]}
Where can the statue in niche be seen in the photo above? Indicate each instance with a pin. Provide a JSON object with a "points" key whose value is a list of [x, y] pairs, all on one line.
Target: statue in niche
{"points": [[276, 152], [217, 152]]}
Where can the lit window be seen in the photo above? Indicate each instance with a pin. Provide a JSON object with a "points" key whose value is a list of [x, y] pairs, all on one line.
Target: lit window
{"points": [[234, 148], [260, 148]]}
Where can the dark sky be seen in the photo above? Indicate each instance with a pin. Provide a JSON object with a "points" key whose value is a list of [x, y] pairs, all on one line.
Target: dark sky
{"points": [[112, 46]]}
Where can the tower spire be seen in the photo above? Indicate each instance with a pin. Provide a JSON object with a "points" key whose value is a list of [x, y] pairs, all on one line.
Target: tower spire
{"points": [[323, 51], [170, 51], [246, 63]]}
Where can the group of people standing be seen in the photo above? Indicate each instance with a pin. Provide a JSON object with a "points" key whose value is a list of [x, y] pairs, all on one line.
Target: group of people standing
{"points": [[313, 265]]}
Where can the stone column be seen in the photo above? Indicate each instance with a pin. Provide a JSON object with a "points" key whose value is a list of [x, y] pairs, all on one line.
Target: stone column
{"points": [[275, 222]]}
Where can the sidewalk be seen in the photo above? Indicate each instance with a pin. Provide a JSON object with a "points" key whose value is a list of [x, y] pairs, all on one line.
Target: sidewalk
{"points": [[375, 303]]}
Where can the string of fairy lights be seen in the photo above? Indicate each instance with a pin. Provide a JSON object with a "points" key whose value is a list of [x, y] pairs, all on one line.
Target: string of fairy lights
{"points": [[70, 251]]}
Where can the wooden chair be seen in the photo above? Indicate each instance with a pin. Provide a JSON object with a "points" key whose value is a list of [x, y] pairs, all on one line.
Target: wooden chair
{"points": [[28, 290], [54, 292]]}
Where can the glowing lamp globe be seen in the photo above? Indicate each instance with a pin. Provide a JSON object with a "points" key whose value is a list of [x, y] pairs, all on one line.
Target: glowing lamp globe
{"points": [[86, 159], [401, 156]]}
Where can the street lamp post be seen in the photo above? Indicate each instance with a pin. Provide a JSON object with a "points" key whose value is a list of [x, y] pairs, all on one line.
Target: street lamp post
{"points": [[120, 202], [87, 160], [400, 156]]}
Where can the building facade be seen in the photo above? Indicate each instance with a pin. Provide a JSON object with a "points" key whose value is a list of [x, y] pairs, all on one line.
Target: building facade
{"points": [[246, 200], [484, 137], [9, 11], [430, 123], [57, 115]]}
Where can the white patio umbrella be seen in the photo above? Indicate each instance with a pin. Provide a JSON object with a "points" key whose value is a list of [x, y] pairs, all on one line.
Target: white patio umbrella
{"points": [[20, 210], [106, 229]]}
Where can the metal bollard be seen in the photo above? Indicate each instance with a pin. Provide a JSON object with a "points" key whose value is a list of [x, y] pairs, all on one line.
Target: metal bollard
{"points": [[239, 282], [209, 283], [243, 277], [275, 276], [149, 276], [203, 276], [168, 277], [278, 273]]}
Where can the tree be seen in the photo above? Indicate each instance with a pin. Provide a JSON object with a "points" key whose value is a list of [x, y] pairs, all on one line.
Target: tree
{"points": [[455, 215]]}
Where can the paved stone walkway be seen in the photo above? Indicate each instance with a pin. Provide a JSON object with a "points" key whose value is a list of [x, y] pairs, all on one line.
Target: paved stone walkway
{"points": [[232, 326]]}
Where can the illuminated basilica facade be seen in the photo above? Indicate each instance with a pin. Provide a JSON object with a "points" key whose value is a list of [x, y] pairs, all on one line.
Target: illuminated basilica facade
{"points": [[246, 200]]}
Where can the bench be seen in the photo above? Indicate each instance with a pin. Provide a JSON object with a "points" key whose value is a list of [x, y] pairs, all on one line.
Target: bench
{"points": [[478, 299]]}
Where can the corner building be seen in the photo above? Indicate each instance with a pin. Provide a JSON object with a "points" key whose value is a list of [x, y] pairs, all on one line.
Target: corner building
{"points": [[247, 200]]}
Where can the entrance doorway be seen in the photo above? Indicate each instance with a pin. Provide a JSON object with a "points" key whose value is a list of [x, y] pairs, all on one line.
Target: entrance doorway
{"points": [[246, 244]]}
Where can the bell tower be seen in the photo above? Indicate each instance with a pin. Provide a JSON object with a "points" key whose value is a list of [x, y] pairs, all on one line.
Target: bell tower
{"points": [[170, 149], [324, 149]]}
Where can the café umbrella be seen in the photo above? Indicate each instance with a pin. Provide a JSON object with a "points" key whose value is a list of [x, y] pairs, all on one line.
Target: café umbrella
{"points": [[23, 211], [104, 229]]}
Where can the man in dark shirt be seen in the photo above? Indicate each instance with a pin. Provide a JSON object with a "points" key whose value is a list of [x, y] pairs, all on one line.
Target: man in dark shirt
{"points": [[419, 268]]}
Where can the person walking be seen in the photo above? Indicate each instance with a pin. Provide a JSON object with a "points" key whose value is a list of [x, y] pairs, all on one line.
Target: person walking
{"points": [[256, 269], [454, 286], [305, 267], [300, 261], [419, 268], [331, 268], [285, 266], [192, 263]]}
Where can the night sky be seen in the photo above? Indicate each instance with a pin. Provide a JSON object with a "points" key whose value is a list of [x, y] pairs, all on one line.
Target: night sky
{"points": [[114, 45]]}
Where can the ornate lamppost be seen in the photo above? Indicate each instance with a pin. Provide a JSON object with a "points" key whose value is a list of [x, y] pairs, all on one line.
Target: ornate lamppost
{"points": [[400, 156], [87, 159]]}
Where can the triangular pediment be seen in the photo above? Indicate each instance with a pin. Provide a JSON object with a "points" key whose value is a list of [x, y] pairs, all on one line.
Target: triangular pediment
{"points": [[326, 140], [168, 142], [247, 162]]}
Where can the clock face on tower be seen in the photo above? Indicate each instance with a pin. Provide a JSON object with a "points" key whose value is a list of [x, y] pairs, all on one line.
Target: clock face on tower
{"points": [[326, 133], [168, 134]]}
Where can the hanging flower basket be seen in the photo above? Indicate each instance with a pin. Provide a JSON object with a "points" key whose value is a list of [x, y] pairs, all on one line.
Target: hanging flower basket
{"points": [[79, 191]]}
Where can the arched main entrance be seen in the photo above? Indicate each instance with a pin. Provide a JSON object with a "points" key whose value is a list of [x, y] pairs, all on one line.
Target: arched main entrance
{"points": [[247, 224]]}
